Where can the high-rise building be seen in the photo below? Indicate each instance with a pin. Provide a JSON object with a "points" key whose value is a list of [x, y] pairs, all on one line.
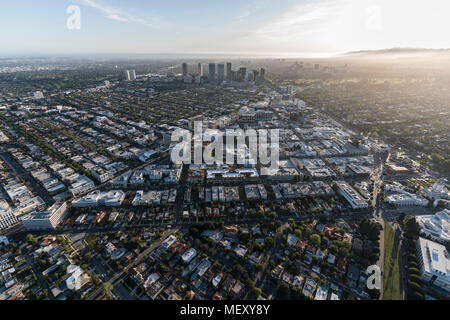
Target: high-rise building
{"points": [[200, 69], [212, 72], [48, 219], [130, 75], [220, 72], [255, 76], [252, 76], [241, 74], [229, 72], [185, 69], [262, 75]]}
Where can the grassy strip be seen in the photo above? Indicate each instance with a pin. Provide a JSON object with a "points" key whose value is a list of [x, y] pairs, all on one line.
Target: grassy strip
{"points": [[392, 286]]}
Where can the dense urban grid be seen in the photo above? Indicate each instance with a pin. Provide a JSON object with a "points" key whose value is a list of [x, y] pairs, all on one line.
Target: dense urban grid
{"points": [[93, 208]]}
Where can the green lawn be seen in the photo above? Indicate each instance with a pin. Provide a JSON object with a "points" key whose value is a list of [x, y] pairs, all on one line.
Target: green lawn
{"points": [[392, 286]]}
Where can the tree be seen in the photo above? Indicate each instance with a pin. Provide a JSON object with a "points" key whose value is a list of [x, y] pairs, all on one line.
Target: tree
{"points": [[343, 252], [256, 292], [416, 278], [415, 286], [401, 218], [270, 242], [237, 271], [107, 288], [315, 240], [374, 294], [413, 270], [417, 296], [283, 291], [32, 240], [411, 228]]}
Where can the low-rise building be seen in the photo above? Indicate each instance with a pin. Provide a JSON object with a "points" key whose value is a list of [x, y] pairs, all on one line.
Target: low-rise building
{"points": [[81, 185], [436, 226], [354, 198]]}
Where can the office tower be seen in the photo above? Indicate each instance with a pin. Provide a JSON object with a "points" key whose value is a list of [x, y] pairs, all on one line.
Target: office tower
{"points": [[130, 75], [200, 69], [316, 66], [262, 75], [241, 74], [255, 76], [212, 72], [220, 72], [185, 69], [252, 76], [229, 72]]}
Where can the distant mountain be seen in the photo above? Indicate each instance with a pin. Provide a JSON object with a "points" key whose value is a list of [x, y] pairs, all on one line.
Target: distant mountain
{"points": [[394, 51]]}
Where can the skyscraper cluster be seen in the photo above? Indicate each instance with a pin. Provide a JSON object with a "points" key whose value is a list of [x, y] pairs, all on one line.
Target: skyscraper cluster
{"points": [[218, 73]]}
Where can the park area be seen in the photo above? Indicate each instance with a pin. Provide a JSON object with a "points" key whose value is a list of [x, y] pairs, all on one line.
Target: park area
{"points": [[392, 284]]}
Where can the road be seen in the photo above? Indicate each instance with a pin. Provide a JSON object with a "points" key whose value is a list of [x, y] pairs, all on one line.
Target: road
{"points": [[377, 204], [276, 248]]}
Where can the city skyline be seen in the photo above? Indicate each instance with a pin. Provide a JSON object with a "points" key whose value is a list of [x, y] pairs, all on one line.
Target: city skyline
{"points": [[254, 28]]}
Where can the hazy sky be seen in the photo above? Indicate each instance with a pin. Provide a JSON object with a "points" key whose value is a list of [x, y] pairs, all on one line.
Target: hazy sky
{"points": [[255, 27]]}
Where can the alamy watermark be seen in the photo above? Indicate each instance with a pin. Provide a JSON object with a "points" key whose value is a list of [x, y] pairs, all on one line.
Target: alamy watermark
{"points": [[74, 19], [234, 146], [374, 280]]}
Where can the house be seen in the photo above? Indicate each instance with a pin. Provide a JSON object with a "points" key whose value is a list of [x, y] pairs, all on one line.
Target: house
{"points": [[352, 275], [238, 289], [342, 265], [277, 272], [358, 244], [301, 245], [331, 260], [309, 288], [291, 240], [297, 282], [320, 254], [286, 277]]}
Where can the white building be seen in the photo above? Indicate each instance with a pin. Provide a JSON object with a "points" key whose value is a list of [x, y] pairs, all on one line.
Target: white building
{"points": [[30, 205], [74, 282], [434, 263], [38, 95], [47, 219], [4, 240], [81, 185], [130, 75], [112, 198], [189, 255], [100, 175], [404, 199], [436, 226], [7, 219], [350, 194]]}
